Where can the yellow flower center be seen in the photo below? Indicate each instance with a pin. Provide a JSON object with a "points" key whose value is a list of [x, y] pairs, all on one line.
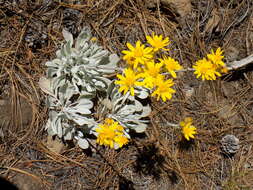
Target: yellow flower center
{"points": [[187, 130], [130, 82], [153, 71], [109, 134], [138, 52], [162, 88], [206, 68], [158, 43]]}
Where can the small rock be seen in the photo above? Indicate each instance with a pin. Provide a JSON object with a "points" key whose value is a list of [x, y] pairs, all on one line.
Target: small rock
{"points": [[230, 144]]}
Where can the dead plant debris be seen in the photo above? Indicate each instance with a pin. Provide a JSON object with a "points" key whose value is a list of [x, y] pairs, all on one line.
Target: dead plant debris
{"points": [[30, 32]]}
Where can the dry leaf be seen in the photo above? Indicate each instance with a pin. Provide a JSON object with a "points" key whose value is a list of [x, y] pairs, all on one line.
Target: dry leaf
{"points": [[182, 7], [212, 22], [150, 3], [45, 85], [55, 145]]}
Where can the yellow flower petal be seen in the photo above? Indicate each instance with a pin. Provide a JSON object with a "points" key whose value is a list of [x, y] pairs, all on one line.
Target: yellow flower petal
{"points": [[157, 42], [171, 65]]}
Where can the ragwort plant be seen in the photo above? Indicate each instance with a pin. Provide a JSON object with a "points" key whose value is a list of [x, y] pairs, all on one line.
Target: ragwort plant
{"points": [[86, 102]]}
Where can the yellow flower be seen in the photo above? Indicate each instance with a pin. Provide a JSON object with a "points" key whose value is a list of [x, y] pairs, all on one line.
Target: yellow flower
{"points": [[157, 42], [188, 129], [206, 70], [137, 55], [171, 65], [111, 133], [129, 81], [216, 57], [150, 73], [163, 89], [121, 140]]}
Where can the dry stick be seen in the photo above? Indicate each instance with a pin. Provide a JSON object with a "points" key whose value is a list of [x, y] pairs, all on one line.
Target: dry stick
{"points": [[230, 66], [238, 64]]}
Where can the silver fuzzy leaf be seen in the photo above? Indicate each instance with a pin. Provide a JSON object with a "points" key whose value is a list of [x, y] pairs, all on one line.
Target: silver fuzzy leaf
{"points": [[127, 110]]}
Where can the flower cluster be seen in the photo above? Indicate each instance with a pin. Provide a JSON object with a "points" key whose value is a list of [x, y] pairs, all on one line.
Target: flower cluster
{"points": [[111, 134], [211, 67], [147, 70]]}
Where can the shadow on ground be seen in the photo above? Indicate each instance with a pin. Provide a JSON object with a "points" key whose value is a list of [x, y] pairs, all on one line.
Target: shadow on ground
{"points": [[149, 161]]}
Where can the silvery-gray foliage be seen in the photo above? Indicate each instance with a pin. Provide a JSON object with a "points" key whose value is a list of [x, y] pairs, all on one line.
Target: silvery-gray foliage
{"points": [[75, 79], [84, 64], [126, 109], [65, 114]]}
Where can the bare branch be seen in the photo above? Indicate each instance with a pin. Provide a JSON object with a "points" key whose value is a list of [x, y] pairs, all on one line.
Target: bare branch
{"points": [[238, 64]]}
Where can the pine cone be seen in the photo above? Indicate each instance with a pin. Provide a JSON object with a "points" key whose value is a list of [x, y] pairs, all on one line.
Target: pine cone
{"points": [[230, 144]]}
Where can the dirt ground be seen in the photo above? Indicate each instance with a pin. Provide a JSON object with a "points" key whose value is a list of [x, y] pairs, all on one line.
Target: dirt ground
{"points": [[30, 34]]}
